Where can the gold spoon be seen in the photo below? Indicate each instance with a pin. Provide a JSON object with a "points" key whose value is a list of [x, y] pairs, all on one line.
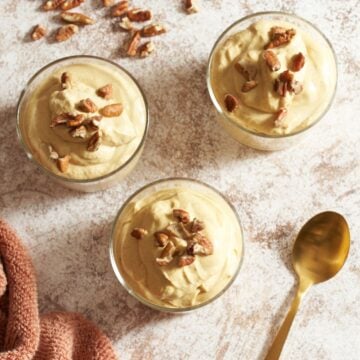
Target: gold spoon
{"points": [[319, 252]]}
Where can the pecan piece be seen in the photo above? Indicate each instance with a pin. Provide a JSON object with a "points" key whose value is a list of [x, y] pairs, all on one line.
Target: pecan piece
{"points": [[66, 32], [249, 85], [65, 80], [52, 153], [139, 15], [167, 254], [152, 30], [126, 24], [181, 216], [87, 106], [298, 62], [38, 32], [120, 9], [296, 87], [108, 3], [78, 132], [94, 141], [271, 60], [161, 238], [248, 73], [186, 260], [279, 36], [231, 102], [61, 119], [133, 44], [138, 233], [93, 123], [200, 245], [52, 4], [191, 6], [112, 110], [146, 49], [280, 116], [76, 121], [105, 91], [197, 225], [63, 163], [76, 18], [286, 76], [70, 4]]}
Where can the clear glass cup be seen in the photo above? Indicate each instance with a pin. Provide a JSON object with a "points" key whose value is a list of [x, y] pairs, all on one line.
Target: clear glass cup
{"points": [[85, 185], [242, 134], [144, 192]]}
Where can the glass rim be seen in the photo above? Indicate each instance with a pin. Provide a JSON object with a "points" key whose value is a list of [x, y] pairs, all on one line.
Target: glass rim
{"points": [[215, 101], [29, 153], [122, 280]]}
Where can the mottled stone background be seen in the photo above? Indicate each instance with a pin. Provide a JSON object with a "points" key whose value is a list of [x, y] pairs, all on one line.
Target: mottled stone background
{"points": [[68, 232]]}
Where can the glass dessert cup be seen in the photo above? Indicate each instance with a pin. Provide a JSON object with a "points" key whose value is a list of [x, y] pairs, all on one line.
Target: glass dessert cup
{"points": [[118, 172], [250, 137], [117, 244]]}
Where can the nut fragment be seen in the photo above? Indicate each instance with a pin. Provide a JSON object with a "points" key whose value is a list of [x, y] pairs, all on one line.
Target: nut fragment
{"points": [[76, 121], [286, 76], [161, 238], [94, 141], [70, 4], [279, 36], [167, 254], [197, 225], [105, 91], [200, 245], [66, 32], [181, 215], [248, 72], [231, 102], [112, 110], [139, 15], [87, 105], [271, 60], [93, 123], [126, 24], [298, 62], [108, 3], [120, 9], [52, 4], [78, 132], [76, 18], [191, 6], [146, 49], [65, 80], [249, 85], [61, 119], [139, 233], [186, 260], [152, 30], [296, 87], [133, 44], [280, 116], [52, 153], [63, 163], [38, 32]]}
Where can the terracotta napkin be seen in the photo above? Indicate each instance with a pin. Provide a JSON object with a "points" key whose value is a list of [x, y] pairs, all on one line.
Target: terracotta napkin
{"points": [[23, 334]]}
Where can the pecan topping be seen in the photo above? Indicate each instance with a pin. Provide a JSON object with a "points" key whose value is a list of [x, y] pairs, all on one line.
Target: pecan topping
{"points": [[61, 119], [52, 4], [70, 4], [248, 73], [108, 3], [75, 121], [52, 153], [161, 238], [93, 123], [112, 110], [77, 18], [167, 254], [65, 80], [200, 245], [139, 15], [152, 30], [133, 44], [298, 62], [126, 24], [186, 260], [120, 9], [87, 105], [66, 32], [249, 85], [286, 76], [271, 60], [94, 141], [105, 91], [38, 32], [63, 163], [181, 216], [279, 36], [191, 6], [231, 102], [78, 132], [286, 83], [197, 225], [139, 233], [280, 116], [296, 87], [146, 49]]}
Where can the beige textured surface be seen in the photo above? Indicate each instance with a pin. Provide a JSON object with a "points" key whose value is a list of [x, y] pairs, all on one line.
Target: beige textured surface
{"points": [[67, 232]]}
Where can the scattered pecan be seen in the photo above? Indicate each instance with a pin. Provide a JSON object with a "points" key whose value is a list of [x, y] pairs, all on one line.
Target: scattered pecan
{"points": [[66, 32], [133, 44], [231, 102], [271, 60], [286, 76], [52, 4], [139, 233], [280, 116], [197, 225], [161, 238], [112, 110], [191, 6], [108, 3], [249, 85], [76, 121], [298, 62], [167, 254], [186, 260], [93, 123], [146, 49], [200, 245], [65, 80], [286, 83], [248, 73], [78, 132], [38, 32], [63, 163], [105, 91], [120, 9], [87, 106], [279, 36], [77, 18], [70, 4], [61, 119], [52, 153], [94, 141], [181, 216], [152, 30], [280, 87], [126, 24], [139, 15], [296, 87]]}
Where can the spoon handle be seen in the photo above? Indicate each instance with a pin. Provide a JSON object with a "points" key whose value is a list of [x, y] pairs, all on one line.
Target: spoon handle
{"points": [[278, 343]]}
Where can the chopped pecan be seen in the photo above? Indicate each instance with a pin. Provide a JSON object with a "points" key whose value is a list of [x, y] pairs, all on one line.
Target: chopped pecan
{"points": [[231, 102], [186, 260], [126, 24], [248, 73], [181, 216], [93, 123], [298, 62], [271, 60], [61, 119], [112, 110], [152, 30], [191, 6], [249, 85], [105, 91], [76, 121], [139, 233], [161, 238], [63, 163], [38, 32], [108, 3], [279, 36], [70, 4], [146, 49], [200, 245], [66, 32], [139, 15], [280, 87], [280, 116], [78, 132], [296, 87], [133, 44], [197, 225], [167, 254], [94, 141], [65, 80], [120, 9], [77, 18], [52, 4], [87, 106], [286, 76], [52, 153]]}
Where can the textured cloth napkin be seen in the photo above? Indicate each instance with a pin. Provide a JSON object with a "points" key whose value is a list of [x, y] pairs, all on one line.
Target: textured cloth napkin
{"points": [[23, 334]]}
